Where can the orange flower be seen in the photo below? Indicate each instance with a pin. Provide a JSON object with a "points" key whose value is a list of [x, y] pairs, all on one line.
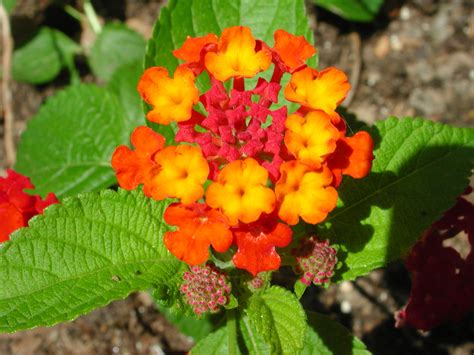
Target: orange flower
{"points": [[198, 228], [256, 244], [172, 99], [353, 157], [183, 171], [322, 90], [236, 55], [240, 191], [293, 50], [311, 138], [302, 192], [191, 49], [134, 167]]}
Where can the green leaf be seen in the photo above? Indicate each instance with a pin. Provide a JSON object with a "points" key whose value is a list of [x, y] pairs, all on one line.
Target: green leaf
{"points": [[217, 343], [115, 46], [420, 168], [123, 83], [80, 255], [233, 302], [191, 326], [252, 339], [279, 318], [352, 10], [9, 4], [327, 337], [199, 17], [67, 146], [299, 289], [41, 59]]}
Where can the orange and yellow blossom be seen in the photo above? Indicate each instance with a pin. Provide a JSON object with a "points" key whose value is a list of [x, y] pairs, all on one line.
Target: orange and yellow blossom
{"points": [[236, 55], [293, 50], [198, 227], [311, 138], [183, 171], [190, 51], [172, 99], [133, 167], [303, 192], [256, 244], [322, 90], [241, 192], [353, 157]]}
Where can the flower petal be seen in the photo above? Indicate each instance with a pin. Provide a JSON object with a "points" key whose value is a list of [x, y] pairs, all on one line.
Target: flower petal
{"points": [[172, 99], [236, 55], [198, 228], [256, 244]]}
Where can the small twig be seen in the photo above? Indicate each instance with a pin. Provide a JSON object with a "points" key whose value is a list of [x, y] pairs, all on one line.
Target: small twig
{"points": [[71, 11], [92, 17], [356, 45], [7, 45]]}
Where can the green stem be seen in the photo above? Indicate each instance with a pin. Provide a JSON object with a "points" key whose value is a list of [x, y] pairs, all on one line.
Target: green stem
{"points": [[232, 333], [92, 16], [71, 11], [73, 73]]}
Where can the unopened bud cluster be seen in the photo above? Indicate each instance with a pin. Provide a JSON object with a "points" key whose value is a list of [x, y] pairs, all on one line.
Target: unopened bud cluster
{"points": [[205, 288], [256, 282], [315, 260]]}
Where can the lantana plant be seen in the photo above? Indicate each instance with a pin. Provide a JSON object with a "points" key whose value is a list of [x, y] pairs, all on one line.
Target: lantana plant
{"points": [[246, 167]]}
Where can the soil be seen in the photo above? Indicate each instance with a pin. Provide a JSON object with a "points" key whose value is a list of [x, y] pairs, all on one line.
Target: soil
{"points": [[416, 59]]}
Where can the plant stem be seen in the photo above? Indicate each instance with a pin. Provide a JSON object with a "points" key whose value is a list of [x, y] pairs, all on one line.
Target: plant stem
{"points": [[7, 49], [92, 16], [71, 11], [232, 332]]}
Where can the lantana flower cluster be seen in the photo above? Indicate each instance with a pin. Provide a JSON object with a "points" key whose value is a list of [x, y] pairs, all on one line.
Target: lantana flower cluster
{"points": [[16, 206], [265, 169]]}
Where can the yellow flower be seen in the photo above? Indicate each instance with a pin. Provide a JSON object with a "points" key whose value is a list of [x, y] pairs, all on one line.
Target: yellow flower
{"points": [[172, 99], [302, 192], [236, 55], [183, 171], [322, 90], [240, 192], [311, 138]]}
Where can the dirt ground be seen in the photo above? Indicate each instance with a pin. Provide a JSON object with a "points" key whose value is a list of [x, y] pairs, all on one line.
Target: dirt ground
{"points": [[417, 58]]}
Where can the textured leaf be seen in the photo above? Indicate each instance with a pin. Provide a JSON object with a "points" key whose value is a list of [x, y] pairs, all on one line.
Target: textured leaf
{"points": [[327, 337], [352, 10], [41, 59], [250, 342], [420, 167], [252, 339], [299, 289], [67, 147], [216, 343], [82, 254], [115, 46], [189, 325], [279, 318], [124, 84]]}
